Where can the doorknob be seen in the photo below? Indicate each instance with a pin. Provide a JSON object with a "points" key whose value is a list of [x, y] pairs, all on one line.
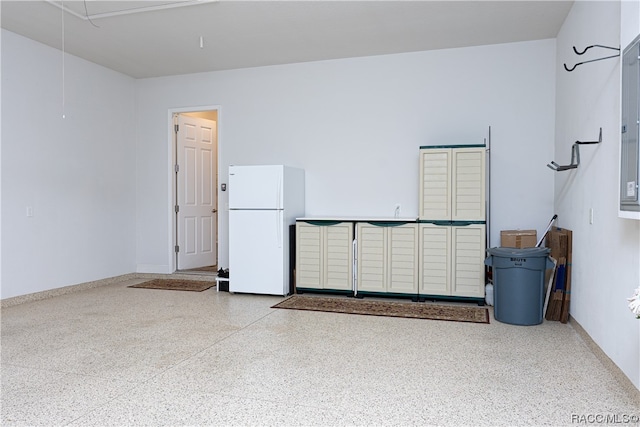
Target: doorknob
{"points": [[214, 210]]}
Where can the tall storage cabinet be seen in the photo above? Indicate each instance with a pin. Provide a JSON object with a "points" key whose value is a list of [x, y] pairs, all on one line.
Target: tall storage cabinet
{"points": [[452, 215], [387, 258], [452, 260], [452, 183], [324, 255]]}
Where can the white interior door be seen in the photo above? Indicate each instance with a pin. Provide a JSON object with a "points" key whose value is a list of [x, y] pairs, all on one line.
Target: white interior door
{"points": [[196, 192]]}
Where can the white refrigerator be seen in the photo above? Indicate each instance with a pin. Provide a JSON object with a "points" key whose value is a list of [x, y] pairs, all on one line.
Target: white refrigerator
{"points": [[263, 202]]}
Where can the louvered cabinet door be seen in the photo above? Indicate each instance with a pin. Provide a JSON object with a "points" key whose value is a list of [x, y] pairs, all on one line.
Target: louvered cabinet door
{"points": [[468, 184], [338, 256], [403, 259], [468, 254], [435, 184], [435, 260], [372, 255], [309, 255]]}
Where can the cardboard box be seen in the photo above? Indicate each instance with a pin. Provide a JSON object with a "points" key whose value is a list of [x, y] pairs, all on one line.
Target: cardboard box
{"points": [[558, 241], [518, 238]]}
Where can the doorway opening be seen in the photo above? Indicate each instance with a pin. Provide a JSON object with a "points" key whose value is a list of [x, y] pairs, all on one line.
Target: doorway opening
{"points": [[195, 196]]}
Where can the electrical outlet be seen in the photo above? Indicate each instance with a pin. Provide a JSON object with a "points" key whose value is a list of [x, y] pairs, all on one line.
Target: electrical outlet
{"points": [[590, 215], [29, 211]]}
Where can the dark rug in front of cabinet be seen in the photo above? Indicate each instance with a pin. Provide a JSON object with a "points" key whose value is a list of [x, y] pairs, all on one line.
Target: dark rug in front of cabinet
{"points": [[413, 310], [176, 285]]}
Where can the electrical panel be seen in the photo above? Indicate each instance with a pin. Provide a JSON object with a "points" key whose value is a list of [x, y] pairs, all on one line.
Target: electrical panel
{"points": [[630, 147]]}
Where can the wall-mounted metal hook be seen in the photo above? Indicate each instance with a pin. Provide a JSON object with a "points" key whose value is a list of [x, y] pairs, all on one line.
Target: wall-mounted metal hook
{"points": [[592, 60], [575, 161], [594, 45], [592, 142], [575, 155]]}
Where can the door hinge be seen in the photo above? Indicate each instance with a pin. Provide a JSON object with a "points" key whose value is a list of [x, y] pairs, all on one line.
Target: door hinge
{"points": [[624, 128], [176, 128], [177, 248], [177, 168], [177, 208]]}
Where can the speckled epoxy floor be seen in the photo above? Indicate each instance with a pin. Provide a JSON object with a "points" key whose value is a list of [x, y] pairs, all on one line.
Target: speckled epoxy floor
{"points": [[117, 356]]}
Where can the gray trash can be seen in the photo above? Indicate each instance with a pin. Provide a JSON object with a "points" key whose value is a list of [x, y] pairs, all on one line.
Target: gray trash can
{"points": [[518, 284]]}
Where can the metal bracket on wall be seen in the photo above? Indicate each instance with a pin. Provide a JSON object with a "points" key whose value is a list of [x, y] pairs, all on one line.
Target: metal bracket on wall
{"points": [[575, 155], [592, 60]]}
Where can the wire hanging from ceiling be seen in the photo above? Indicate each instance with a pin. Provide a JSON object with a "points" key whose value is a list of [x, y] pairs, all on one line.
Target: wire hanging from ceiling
{"points": [[86, 14], [62, 11]]}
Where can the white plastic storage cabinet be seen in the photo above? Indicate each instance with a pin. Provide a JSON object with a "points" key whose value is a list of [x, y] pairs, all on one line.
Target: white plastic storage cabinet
{"points": [[451, 260], [324, 255], [452, 183], [387, 258]]}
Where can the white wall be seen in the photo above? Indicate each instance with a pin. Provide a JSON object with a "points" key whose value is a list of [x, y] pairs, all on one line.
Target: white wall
{"points": [[629, 21], [1, 33], [355, 126], [76, 173], [606, 254]]}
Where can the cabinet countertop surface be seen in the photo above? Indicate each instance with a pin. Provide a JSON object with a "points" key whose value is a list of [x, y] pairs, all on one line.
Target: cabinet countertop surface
{"points": [[357, 219]]}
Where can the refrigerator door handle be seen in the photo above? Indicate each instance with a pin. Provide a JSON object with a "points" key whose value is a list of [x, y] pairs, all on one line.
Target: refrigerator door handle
{"points": [[279, 225], [280, 216]]}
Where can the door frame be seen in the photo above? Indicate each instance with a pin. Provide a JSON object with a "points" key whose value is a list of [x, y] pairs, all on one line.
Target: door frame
{"points": [[171, 179]]}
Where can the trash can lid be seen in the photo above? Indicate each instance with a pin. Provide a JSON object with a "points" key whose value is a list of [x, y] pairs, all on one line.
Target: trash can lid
{"points": [[519, 252]]}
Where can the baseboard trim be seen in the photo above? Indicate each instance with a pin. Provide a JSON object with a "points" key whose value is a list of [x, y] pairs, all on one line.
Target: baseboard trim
{"points": [[617, 373], [36, 296], [50, 293], [153, 269]]}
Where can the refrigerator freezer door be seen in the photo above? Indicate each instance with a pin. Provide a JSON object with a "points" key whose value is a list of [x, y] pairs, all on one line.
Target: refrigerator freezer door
{"points": [[257, 252], [256, 187]]}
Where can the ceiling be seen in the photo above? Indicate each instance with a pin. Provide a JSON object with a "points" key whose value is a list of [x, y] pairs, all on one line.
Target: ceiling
{"points": [[160, 38]]}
